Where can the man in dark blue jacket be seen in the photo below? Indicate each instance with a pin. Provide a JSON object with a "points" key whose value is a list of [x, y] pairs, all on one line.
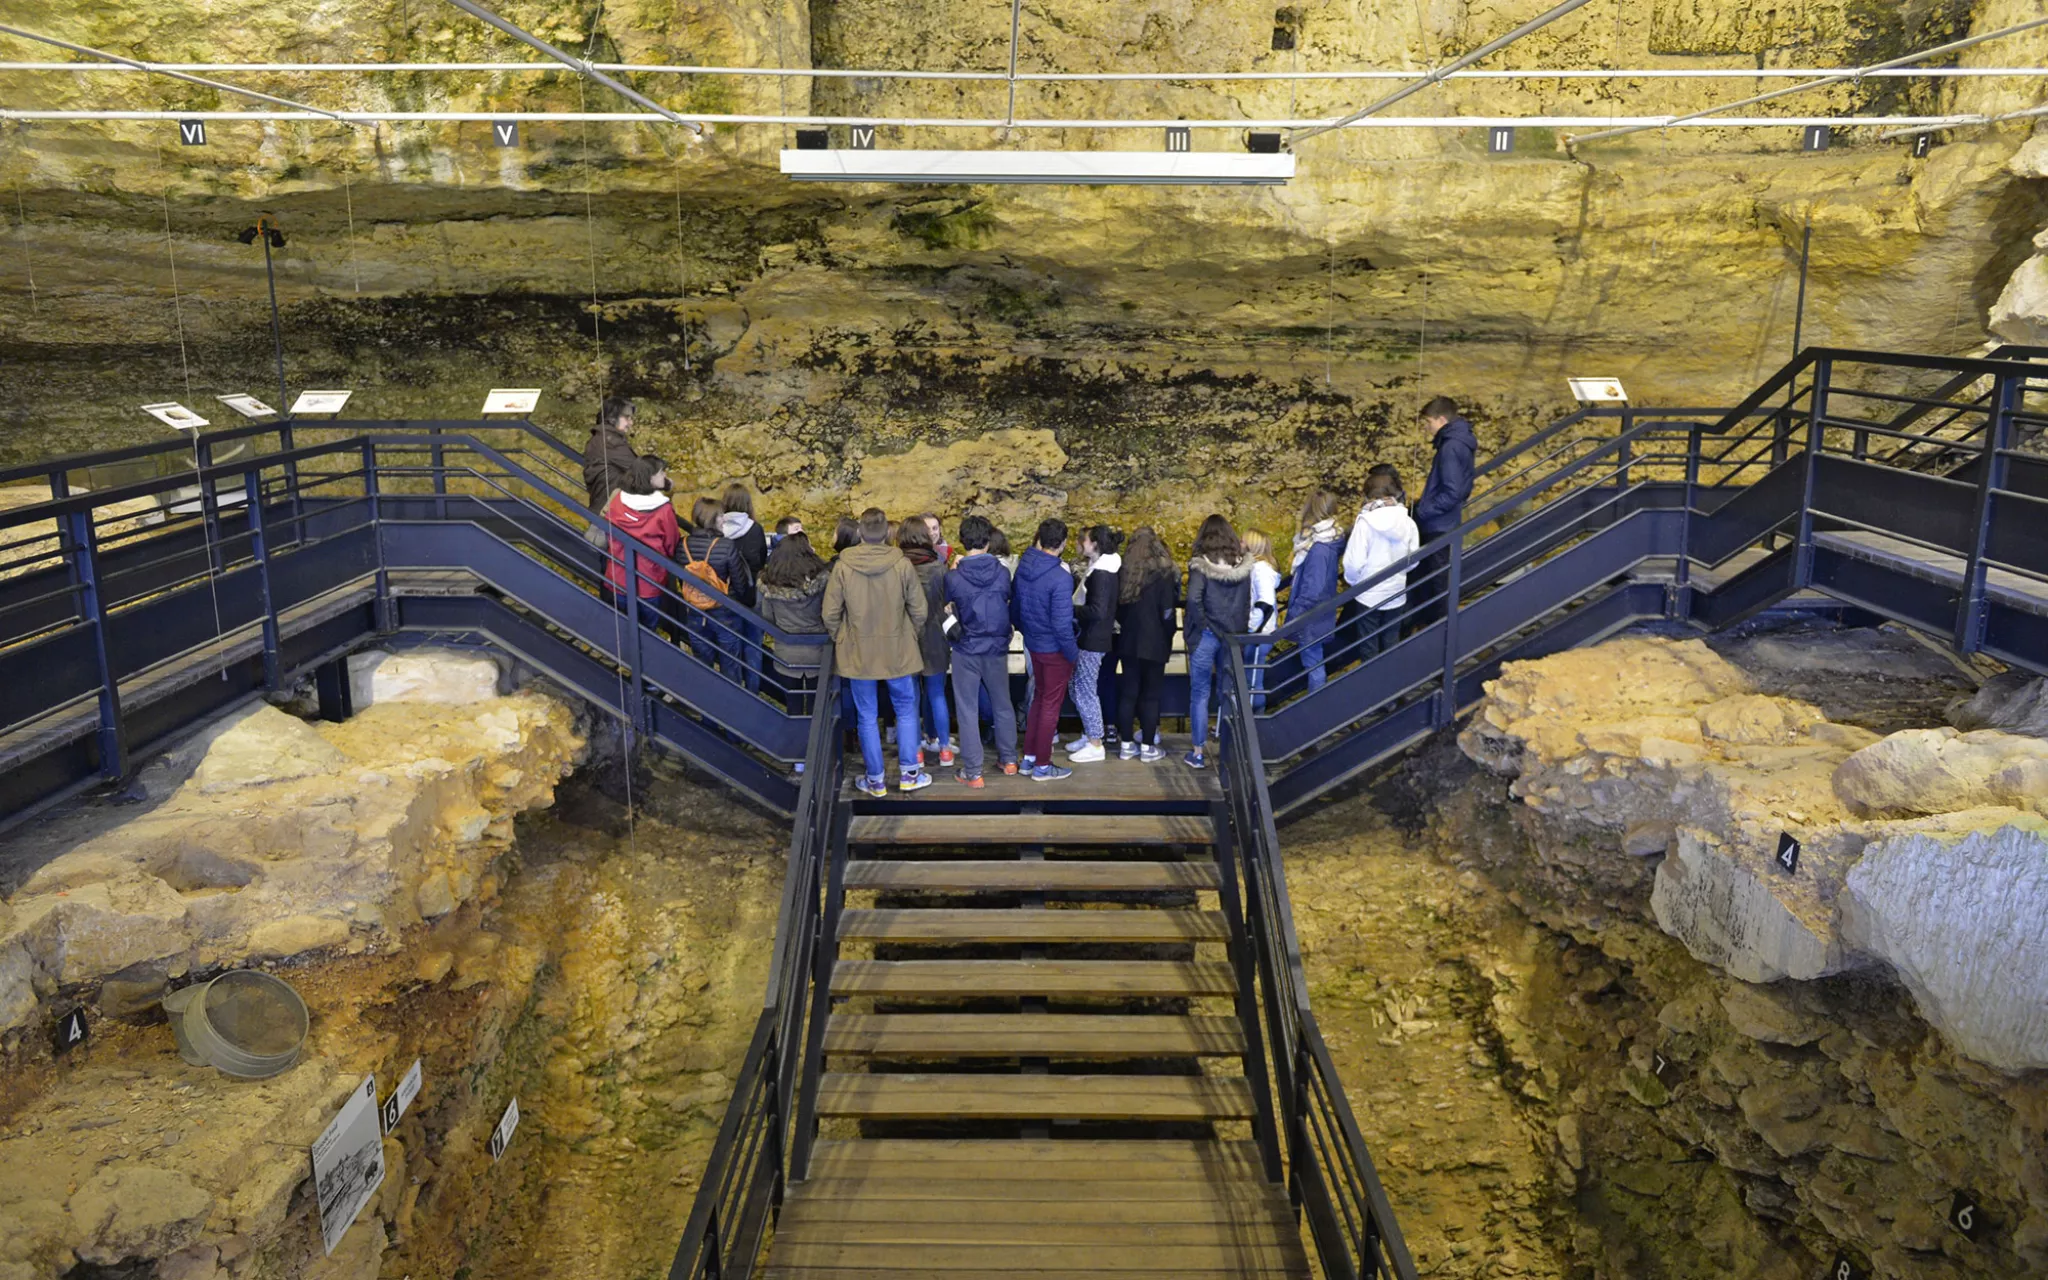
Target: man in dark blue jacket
{"points": [[978, 620], [1042, 606], [1441, 508]]}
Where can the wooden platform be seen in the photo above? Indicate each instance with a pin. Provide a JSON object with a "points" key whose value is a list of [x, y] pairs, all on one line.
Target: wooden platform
{"points": [[1131, 781], [2002, 585], [1037, 1208], [952, 1034]]}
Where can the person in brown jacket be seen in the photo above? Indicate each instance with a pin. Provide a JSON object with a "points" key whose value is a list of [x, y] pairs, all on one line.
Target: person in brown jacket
{"points": [[875, 610], [608, 455]]}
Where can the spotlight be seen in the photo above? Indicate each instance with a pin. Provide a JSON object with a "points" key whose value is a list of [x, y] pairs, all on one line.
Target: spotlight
{"points": [[271, 235], [1262, 144], [813, 140]]}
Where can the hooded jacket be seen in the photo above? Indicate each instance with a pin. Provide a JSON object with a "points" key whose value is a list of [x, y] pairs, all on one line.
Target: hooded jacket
{"points": [[1098, 606], [1219, 600], [798, 610], [1317, 558], [607, 456], [1440, 507], [1144, 626], [931, 575], [723, 555], [1383, 536], [650, 520], [978, 588], [740, 528], [875, 609], [1042, 605]]}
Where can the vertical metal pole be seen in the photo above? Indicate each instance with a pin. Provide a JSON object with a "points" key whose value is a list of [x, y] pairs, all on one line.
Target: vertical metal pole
{"points": [[331, 686], [1816, 419], [1679, 603], [439, 460], [1971, 613], [1447, 709], [1016, 14], [259, 548], [1628, 452], [1805, 254], [92, 607], [381, 606], [276, 326]]}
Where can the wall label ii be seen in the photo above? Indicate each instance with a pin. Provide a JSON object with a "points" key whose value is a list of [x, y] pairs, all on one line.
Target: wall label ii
{"points": [[1787, 856], [348, 1163], [1500, 139], [501, 1137]]}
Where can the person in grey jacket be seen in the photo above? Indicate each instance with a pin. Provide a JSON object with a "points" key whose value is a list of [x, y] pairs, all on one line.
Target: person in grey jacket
{"points": [[1218, 605], [978, 607], [792, 594]]}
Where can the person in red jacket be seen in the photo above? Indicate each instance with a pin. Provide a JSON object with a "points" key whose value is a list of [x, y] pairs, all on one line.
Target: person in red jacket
{"points": [[641, 509]]}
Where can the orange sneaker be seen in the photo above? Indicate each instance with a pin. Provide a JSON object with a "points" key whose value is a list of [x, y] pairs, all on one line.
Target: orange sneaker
{"points": [[1010, 769], [945, 758], [974, 781]]}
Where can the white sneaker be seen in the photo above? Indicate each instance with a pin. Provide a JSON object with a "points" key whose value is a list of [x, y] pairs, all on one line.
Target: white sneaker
{"points": [[1129, 751], [1077, 744], [1151, 754], [1088, 754]]}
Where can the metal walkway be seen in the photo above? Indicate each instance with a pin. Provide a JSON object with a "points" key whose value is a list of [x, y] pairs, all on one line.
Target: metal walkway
{"points": [[1018, 1003]]}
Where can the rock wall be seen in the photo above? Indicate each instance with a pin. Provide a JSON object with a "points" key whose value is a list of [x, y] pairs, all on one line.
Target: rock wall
{"points": [[1151, 353], [1849, 1044], [603, 967]]}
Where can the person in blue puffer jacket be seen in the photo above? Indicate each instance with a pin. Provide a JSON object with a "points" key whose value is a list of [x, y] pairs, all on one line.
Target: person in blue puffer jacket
{"points": [[1042, 607], [1318, 554], [978, 622]]}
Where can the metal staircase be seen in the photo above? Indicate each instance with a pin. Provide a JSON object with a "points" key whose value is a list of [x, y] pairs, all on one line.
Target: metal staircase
{"points": [[1067, 1024]]}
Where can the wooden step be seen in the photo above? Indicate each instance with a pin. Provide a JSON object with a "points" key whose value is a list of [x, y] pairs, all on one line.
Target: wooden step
{"points": [[1033, 829], [1182, 1186], [1065, 1159], [1032, 924], [1035, 1097], [1049, 1035], [1024, 876], [1073, 978], [796, 1258], [1096, 1224]]}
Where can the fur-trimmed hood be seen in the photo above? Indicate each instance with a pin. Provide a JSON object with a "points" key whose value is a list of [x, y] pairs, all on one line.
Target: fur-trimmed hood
{"points": [[1221, 572], [803, 591]]}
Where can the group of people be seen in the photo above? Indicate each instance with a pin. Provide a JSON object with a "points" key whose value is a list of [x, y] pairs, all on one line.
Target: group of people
{"points": [[910, 614]]}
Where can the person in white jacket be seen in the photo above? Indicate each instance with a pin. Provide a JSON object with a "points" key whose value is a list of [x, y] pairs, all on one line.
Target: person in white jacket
{"points": [[1383, 536], [1258, 548]]}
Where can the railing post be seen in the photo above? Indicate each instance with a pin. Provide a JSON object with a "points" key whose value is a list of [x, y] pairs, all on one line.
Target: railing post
{"points": [[1447, 709], [92, 607], [714, 1252], [1627, 450], [381, 606], [636, 678], [209, 504], [1679, 602], [259, 548], [1816, 438], [437, 455], [1971, 613], [1241, 915]]}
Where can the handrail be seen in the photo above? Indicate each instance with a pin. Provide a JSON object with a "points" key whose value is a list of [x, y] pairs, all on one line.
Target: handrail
{"points": [[1330, 1172], [762, 1140]]}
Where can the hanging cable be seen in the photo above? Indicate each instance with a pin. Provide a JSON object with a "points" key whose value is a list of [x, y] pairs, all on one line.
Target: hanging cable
{"points": [[28, 260], [213, 560]]}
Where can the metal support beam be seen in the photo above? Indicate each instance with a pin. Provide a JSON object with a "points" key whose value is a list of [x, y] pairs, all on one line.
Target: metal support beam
{"points": [[1484, 51], [189, 78], [579, 65], [1016, 17], [331, 685], [1822, 83]]}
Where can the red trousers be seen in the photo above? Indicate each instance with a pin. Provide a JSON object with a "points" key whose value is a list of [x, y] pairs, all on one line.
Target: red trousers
{"points": [[1051, 672]]}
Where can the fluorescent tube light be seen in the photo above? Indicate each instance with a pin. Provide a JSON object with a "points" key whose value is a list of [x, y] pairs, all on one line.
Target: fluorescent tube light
{"points": [[1159, 168]]}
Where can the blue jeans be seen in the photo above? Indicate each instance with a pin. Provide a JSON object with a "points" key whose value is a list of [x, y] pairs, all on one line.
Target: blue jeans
{"points": [[748, 647], [712, 642], [903, 695], [1312, 662], [942, 722], [1201, 676]]}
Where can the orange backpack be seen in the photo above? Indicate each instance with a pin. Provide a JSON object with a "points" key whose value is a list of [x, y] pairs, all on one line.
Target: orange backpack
{"points": [[702, 571]]}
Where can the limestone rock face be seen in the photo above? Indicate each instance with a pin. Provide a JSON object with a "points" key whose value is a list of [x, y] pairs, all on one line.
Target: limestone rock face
{"points": [[1962, 915], [1642, 747], [138, 1211], [291, 837], [1921, 771], [2012, 701], [2021, 312], [437, 676]]}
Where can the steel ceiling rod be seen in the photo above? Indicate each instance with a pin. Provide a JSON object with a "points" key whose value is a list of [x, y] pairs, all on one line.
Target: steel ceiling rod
{"points": [[1486, 50], [189, 78], [579, 65], [1016, 17], [1824, 81]]}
